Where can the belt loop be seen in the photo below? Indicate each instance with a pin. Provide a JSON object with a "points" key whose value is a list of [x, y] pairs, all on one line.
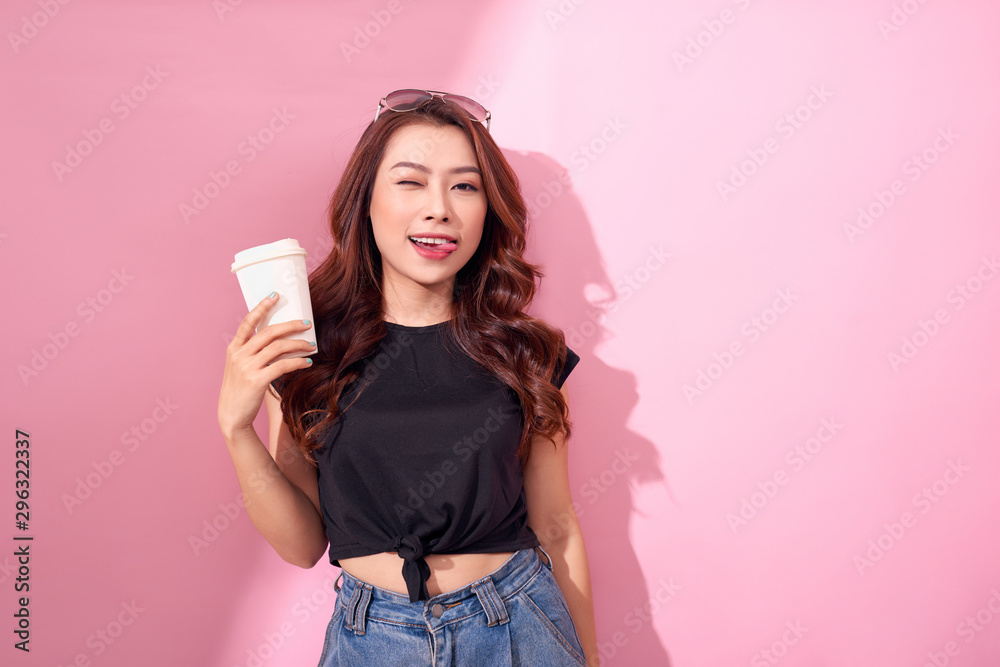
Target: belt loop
{"points": [[496, 612], [548, 559], [357, 608], [336, 582]]}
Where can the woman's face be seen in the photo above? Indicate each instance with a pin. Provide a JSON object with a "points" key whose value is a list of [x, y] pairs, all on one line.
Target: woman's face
{"points": [[428, 185]]}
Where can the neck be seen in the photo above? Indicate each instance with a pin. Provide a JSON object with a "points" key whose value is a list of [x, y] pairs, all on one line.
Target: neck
{"points": [[418, 305]]}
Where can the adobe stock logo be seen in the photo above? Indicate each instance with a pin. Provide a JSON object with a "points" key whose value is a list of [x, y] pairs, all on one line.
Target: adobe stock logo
{"points": [[625, 288], [786, 126], [927, 330], [272, 641], [122, 107], [223, 7], [797, 457], [439, 474], [31, 25], [212, 528], [638, 618], [753, 329], [969, 629], [562, 12], [59, 340], [899, 17], [924, 500], [103, 469], [248, 149], [779, 648], [915, 167], [364, 34], [581, 159], [712, 30], [101, 639]]}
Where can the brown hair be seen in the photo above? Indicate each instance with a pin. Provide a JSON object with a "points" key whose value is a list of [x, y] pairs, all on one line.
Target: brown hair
{"points": [[491, 293]]}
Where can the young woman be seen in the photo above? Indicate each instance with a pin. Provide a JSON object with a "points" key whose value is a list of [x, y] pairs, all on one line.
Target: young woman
{"points": [[425, 440]]}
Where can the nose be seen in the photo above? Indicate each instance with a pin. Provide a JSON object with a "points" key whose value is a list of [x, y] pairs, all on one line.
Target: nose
{"points": [[438, 206]]}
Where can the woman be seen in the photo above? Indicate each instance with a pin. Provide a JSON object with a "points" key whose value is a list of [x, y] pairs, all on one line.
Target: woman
{"points": [[425, 440]]}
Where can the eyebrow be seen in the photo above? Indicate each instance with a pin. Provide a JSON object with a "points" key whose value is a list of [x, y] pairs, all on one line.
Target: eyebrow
{"points": [[420, 167]]}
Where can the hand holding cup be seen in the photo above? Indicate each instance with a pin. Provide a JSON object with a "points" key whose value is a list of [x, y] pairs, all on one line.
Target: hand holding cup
{"points": [[281, 267], [276, 290], [255, 360]]}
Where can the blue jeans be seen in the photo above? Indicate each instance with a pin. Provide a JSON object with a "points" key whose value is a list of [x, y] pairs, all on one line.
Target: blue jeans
{"points": [[515, 616]]}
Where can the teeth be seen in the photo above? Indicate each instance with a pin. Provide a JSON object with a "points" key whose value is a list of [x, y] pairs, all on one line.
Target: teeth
{"points": [[424, 239]]}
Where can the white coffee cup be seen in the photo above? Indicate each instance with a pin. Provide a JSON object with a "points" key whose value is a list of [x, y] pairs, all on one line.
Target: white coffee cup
{"points": [[278, 267]]}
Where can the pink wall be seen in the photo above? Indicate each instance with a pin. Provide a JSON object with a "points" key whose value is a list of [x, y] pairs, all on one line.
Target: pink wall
{"points": [[785, 418]]}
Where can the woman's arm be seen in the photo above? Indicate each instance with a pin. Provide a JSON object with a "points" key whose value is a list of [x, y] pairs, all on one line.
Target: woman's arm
{"points": [[553, 519], [280, 489]]}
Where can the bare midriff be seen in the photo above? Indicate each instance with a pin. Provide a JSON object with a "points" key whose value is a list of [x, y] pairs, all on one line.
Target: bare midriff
{"points": [[448, 571]]}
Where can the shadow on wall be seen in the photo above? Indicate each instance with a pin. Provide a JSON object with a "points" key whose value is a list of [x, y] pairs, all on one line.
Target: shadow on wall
{"points": [[607, 458]]}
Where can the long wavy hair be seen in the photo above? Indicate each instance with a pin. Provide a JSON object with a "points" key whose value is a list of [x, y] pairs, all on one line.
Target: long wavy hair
{"points": [[491, 293]]}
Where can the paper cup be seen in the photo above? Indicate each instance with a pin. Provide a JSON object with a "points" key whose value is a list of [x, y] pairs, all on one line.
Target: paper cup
{"points": [[278, 267]]}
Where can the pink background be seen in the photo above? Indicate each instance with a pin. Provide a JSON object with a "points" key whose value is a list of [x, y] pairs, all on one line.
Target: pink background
{"points": [[776, 505]]}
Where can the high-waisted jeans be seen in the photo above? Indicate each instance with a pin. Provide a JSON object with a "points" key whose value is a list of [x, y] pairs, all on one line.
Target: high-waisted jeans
{"points": [[515, 616]]}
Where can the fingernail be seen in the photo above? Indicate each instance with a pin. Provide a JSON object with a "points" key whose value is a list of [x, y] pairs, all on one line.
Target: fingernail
{"points": [[271, 295], [309, 361], [313, 344], [305, 321]]}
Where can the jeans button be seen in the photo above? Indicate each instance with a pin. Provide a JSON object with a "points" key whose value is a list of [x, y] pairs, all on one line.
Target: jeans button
{"points": [[437, 610]]}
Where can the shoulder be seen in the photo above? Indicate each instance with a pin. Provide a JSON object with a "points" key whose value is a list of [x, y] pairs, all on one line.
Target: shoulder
{"points": [[564, 367]]}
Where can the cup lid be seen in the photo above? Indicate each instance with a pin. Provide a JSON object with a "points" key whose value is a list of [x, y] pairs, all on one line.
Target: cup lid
{"points": [[267, 251]]}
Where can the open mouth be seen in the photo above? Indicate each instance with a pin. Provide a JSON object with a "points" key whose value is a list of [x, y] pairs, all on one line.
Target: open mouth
{"points": [[433, 244]]}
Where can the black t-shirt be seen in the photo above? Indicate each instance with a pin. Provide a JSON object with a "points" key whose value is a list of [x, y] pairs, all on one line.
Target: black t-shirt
{"points": [[425, 458]]}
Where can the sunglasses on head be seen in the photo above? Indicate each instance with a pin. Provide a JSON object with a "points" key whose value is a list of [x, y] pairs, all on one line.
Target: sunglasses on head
{"points": [[409, 99]]}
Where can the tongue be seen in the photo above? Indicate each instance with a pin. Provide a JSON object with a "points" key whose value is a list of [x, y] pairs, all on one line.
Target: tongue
{"points": [[439, 247]]}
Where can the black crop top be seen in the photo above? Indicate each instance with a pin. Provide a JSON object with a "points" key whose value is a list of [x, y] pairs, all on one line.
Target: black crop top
{"points": [[425, 459]]}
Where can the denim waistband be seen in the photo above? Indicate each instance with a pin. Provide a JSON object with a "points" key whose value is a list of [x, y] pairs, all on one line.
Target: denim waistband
{"points": [[363, 600]]}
